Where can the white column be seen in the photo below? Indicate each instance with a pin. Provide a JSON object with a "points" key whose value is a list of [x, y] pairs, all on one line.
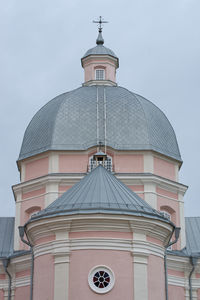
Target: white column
{"points": [[23, 172], [17, 220], [61, 284], [182, 220], [140, 285], [140, 266], [148, 163], [53, 162], [150, 195], [51, 193], [61, 262]]}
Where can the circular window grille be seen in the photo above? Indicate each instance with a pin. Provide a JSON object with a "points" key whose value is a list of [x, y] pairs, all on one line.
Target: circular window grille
{"points": [[101, 279]]}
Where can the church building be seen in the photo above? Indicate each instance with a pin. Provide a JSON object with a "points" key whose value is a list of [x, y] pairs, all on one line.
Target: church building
{"points": [[99, 205]]}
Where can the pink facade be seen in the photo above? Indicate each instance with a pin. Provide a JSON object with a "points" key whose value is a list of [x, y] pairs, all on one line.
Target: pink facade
{"points": [[1, 295], [36, 168], [23, 273], [63, 188], [68, 244], [167, 201], [164, 168], [176, 273], [129, 163], [176, 292], [44, 278], [91, 64], [156, 279], [138, 189], [154, 240], [45, 239], [101, 234], [198, 294], [22, 292], [82, 261], [73, 163], [32, 202]]}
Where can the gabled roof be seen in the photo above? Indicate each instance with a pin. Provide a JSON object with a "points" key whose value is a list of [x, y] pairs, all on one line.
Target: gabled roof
{"points": [[6, 236], [99, 192]]}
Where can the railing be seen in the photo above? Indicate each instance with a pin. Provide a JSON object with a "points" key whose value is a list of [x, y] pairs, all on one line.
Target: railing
{"points": [[106, 164]]}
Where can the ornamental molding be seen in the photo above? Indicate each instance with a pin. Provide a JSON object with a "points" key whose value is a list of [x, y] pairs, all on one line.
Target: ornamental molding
{"points": [[21, 263], [21, 281], [42, 181], [145, 178], [183, 282], [98, 222], [72, 178], [177, 281], [178, 263], [61, 249], [16, 282]]}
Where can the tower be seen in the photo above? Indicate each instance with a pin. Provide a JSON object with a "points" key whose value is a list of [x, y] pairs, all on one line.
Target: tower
{"points": [[99, 199]]}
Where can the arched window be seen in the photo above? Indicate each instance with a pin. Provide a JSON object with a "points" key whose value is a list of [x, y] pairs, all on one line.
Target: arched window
{"points": [[100, 74], [107, 163], [32, 210]]}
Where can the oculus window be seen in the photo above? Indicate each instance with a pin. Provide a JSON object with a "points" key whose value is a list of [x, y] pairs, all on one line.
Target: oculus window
{"points": [[101, 279]]}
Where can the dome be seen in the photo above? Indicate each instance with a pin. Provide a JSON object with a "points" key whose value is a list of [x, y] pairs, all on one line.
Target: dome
{"points": [[69, 122], [99, 50]]}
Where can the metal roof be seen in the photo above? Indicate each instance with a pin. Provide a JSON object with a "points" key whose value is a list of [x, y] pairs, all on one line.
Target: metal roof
{"points": [[69, 122], [99, 192], [192, 225], [192, 230], [100, 50], [6, 236]]}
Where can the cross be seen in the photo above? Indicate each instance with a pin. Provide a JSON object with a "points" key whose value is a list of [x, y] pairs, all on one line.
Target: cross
{"points": [[100, 22]]}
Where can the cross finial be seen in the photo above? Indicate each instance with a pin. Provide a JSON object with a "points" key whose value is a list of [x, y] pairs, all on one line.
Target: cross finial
{"points": [[100, 22]]}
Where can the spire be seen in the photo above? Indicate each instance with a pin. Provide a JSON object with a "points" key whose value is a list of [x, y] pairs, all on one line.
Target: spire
{"points": [[100, 40]]}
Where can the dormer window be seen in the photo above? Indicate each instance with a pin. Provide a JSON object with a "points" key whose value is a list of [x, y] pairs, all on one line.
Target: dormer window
{"points": [[100, 74]]}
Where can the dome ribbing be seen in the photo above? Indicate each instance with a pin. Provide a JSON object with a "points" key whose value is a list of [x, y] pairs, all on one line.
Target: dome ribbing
{"points": [[69, 122]]}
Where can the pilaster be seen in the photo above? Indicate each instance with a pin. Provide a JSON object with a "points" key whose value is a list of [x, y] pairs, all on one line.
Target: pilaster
{"points": [[150, 194], [61, 265]]}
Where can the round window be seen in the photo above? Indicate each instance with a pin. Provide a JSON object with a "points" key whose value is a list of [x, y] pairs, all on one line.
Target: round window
{"points": [[101, 279]]}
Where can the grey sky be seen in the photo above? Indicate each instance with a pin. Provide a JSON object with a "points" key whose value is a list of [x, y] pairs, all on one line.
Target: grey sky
{"points": [[157, 42]]}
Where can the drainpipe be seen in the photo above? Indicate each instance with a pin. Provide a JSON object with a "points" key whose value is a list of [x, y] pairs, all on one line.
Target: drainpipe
{"points": [[177, 233], [5, 262], [193, 261], [21, 233]]}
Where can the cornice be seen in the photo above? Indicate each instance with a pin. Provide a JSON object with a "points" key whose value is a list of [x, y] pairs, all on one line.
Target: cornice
{"points": [[63, 248], [72, 178], [99, 222]]}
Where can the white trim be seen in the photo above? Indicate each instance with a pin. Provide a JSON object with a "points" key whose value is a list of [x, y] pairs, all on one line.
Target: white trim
{"points": [[62, 248]]}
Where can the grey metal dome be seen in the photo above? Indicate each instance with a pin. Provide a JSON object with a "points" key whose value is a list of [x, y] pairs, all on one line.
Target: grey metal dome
{"points": [[100, 50], [69, 122]]}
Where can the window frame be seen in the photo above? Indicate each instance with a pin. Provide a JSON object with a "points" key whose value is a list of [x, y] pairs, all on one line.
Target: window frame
{"points": [[98, 70]]}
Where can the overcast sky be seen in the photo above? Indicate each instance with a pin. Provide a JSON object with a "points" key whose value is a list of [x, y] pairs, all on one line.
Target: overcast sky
{"points": [[157, 42]]}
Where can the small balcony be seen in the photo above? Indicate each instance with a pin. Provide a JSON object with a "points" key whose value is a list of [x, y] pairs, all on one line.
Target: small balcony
{"points": [[106, 164]]}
